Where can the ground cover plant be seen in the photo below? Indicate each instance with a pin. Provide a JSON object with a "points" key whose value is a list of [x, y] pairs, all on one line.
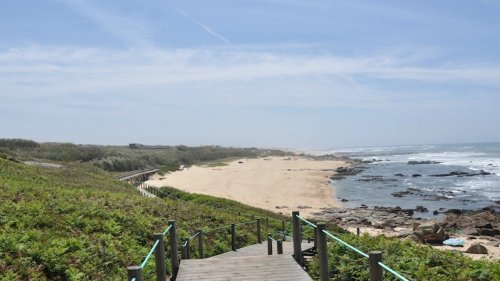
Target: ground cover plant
{"points": [[79, 223], [414, 261]]}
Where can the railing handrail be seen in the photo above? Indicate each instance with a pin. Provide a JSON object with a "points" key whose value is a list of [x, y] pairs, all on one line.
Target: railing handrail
{"points": [[358, 251], [143, 264]]}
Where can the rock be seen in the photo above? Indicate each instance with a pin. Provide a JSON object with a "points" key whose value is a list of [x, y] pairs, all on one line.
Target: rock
{"points": [[368, 178], [304, 207], [454, 211], [414, 238], [484, 224], [463, 174], [435, 212], [344, 200], [471, 231], [421, 209], [430, 232], [281, 207], [416, 175], [477, 249], [405, 233], [400, 193], [423, 162], [486, 232], [363, 206], [401, 175]]}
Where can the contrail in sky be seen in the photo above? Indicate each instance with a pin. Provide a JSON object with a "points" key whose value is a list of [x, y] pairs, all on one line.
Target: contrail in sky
{"points": [[206, 28]]}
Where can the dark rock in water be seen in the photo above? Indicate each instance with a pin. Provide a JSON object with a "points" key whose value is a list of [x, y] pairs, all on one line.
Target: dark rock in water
{"points": [[368, 178], [363, 206], [344, 200], [400, 193], [421, 209], [435, 212], [454, 211], [343, 172], [497, 202], [371, 161], [463, 174], [477, 249], [399, 175], [416, 175], [423, 162]]}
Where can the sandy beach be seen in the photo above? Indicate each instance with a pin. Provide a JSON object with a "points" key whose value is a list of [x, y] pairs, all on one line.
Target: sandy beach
{"points": [[278, 184]]}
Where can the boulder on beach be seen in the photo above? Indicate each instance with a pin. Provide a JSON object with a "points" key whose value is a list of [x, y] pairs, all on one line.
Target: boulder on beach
{"points": [[430, 232], [477, 249]]}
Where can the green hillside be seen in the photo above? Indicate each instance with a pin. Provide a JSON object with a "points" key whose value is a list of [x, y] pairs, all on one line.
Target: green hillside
{"points": [[79, 223]]}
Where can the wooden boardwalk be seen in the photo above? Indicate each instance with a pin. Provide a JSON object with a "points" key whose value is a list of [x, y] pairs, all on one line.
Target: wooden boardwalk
{"points": [[248, 263]]}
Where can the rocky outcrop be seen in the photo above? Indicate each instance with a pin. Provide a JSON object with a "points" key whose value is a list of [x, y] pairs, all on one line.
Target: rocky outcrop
{"points": [[463, 174], [430, 232], [423, 162], [343, 172], [378, 179]]}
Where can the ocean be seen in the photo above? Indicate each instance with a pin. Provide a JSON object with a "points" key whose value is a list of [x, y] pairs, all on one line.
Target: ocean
{"points": [[436, 177]]}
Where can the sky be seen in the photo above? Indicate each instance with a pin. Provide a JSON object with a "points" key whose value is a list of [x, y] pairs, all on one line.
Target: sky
{"points": [[300, 74]]}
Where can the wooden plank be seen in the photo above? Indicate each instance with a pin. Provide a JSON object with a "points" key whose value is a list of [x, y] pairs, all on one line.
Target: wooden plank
{"points": [[261, 249], [263, 267]]}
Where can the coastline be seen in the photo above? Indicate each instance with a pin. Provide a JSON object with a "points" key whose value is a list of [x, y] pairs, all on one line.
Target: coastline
{"points": [[277, 184], [299, 183]]}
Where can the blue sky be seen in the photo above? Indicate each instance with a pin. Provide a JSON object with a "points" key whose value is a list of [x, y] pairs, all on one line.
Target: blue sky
{"points": [[274, 73]]}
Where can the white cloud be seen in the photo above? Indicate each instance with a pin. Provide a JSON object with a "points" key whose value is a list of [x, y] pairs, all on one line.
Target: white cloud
{"points": [[241, 76]]}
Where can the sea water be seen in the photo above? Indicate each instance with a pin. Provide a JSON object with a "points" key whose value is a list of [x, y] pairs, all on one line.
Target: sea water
{"points": [[433, 193]]}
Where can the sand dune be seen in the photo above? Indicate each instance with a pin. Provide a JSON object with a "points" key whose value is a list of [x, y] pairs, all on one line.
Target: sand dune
{"points": [[279, 184]]}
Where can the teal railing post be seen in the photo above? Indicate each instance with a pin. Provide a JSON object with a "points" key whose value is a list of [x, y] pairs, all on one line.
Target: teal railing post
{"points": [[315, 232], [161, 270], [188, 249], [322, 251], [200, 244], [269, 245], [174, 259], [134, 271], [233, 237], [259, 234], [280, 247], [297, 239], [376, 272]]}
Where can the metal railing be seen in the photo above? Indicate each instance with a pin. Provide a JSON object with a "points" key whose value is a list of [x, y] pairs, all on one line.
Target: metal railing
{"points": [[135, 273], [376, 266]]}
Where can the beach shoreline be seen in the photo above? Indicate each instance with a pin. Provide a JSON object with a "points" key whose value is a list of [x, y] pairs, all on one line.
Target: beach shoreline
{"points": [[277, 184], [305, 184]]}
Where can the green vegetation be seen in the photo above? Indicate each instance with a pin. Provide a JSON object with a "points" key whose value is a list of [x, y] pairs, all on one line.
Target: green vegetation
{"points": [[79, 223], [127, 158], [416, 262]]}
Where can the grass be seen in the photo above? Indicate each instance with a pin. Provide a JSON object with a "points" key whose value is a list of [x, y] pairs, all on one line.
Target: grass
{"points": [[79, 223]]}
